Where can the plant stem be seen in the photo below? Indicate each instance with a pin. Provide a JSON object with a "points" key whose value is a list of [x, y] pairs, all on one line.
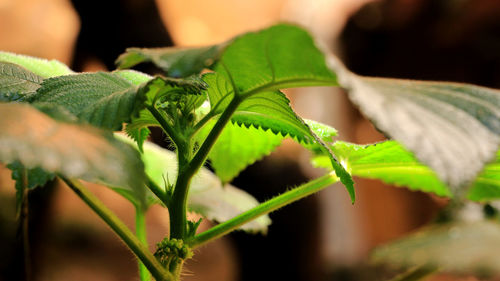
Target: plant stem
{"points": [[264, 208], [24, 218], [158, 191], [141, 251], [178, 206], [202, 123], [164, 124], [140, 231], [416, 273], [202, 153], [188, 167]]}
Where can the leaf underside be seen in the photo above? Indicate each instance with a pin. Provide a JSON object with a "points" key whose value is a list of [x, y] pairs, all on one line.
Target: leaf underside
{"points": [[454, 128], [462, 248], [35, 140]]}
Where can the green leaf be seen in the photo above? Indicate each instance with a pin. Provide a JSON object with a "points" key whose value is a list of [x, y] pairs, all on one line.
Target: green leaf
{"points": [[463, 247], [16, 82], [387, 161], [35, 140], [35, 177], [268, 117], [232, 153], [219, 91], [56, 112], [41, 67], [135, 77], [107, 100], [102, 99], [237, 147], [207, 195], [271, 110], [454, 128], [324, 132], [392, 163], [138, 130], [176, 62], [166, 89], [486, 187], [282, 56]]}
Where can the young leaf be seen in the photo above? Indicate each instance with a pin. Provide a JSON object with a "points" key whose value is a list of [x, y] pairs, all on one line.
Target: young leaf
{"points": [[35, 140], [16, 82], [269, 110], [220, 92], [207, 195], [454, 128], [138, 130], [166, 89], [176, 62], [282, 56], [232, 153], [387, 161], [35, 177], [41, 67], [102, 99]]}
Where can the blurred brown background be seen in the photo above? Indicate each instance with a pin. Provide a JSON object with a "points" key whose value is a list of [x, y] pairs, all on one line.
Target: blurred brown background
{"points": [[320, 238]]}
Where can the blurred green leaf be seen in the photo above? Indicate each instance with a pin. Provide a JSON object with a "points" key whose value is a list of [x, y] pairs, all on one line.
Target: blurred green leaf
{"points": [[135, 77], [176, 62], [460, 247], [41, 67], [74, 151], [34, 178]]}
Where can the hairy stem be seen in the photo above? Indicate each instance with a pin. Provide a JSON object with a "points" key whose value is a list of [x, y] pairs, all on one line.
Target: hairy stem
{"points": [[178, 206], [264, 208], [164, 124], [158, 191], [141, 251], [140, 231]]}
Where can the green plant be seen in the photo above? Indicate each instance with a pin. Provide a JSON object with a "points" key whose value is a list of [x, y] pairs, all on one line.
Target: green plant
{"points": [[57, 123]]}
